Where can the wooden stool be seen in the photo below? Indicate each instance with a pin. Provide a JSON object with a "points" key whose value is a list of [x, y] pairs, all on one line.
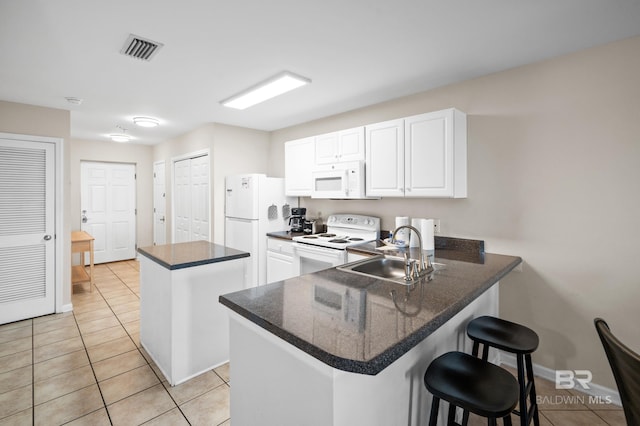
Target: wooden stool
{"points": [[473, 385], [516, 339]]}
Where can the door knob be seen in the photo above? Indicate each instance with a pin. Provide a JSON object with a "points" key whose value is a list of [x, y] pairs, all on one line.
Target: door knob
{"points": [[47, 237], [84, 219]]}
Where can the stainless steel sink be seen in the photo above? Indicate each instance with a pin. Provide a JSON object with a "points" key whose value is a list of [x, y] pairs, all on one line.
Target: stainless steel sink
{"points": [[385, 267]]}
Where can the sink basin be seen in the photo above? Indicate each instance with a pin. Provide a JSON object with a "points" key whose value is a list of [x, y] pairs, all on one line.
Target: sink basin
{"points": [[381, 267], [386, 268]]}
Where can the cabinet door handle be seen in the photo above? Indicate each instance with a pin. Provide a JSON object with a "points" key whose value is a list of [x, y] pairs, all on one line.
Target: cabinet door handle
{"points": [[47, 237]]}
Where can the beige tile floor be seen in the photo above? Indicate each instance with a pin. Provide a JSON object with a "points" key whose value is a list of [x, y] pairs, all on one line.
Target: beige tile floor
{"points": [[86, 367]]}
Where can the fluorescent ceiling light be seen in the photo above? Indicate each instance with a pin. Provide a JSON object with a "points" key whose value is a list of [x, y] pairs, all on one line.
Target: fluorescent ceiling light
{"points": [[268, 89], [120, 137], [146, 121]]}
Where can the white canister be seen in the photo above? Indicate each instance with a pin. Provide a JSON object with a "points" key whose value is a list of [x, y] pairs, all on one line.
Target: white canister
{"points": [[427, 230], [416, 222], [402, 236]]}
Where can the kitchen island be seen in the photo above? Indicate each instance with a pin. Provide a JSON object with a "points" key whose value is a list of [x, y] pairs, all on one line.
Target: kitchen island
{"points": [[336, 348], [182, 327]]}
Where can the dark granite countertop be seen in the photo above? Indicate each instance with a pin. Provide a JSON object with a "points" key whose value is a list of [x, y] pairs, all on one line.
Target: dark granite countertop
{"points": [[284, 235], [375, 331], [188, 255]]}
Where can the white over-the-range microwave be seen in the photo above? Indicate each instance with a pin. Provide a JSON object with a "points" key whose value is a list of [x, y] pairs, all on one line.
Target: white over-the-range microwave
{"points": [[339, 181]]}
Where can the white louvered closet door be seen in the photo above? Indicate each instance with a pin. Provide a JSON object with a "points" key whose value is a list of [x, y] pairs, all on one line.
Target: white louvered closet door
{"points": [[191, 199], [27, 229]]}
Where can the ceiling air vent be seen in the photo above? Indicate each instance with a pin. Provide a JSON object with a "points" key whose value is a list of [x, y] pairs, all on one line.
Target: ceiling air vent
{"points": [[140, 48]]}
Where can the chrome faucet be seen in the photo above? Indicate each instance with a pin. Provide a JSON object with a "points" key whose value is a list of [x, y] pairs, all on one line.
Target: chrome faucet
{"points": [[423, 267]]}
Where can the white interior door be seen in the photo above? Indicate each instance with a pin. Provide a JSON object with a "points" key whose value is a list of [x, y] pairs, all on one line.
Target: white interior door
{"points": [[191, 199], [27, 229], [159, 204], [200, 198], [108, 200], [181, 199]]}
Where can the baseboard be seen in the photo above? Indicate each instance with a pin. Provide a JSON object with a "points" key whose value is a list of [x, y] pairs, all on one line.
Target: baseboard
{"points": [[600, 392], [67, 308]]}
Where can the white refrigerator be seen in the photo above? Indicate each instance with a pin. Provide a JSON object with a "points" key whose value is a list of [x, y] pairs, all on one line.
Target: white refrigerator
{"points": [[254, 205]]}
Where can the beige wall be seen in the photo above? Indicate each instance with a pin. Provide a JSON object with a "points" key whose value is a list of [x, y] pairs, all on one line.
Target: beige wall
{"points": [[554, 177], [232, 150], [141, 156], [39, 121]]}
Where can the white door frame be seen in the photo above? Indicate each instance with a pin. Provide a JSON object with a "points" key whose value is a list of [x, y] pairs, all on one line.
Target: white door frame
{"points": [[181, 157], [155, 201], [60, 234]]}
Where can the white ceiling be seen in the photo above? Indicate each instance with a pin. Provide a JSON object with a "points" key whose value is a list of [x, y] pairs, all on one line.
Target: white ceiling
{"points": [[356, 52]]}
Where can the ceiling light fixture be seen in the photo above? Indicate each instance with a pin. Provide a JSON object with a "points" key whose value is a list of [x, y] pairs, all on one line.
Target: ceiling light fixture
{"points": [[120, 137], [146, 121], [270, 88]]}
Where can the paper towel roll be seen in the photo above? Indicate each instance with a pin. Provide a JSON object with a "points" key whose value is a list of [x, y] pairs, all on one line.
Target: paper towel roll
{"points": [[402, 236], [427, 231], [416, 222]]}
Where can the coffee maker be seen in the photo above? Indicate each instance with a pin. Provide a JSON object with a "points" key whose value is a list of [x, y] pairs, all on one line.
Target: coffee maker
{"points": [[296, 221]]}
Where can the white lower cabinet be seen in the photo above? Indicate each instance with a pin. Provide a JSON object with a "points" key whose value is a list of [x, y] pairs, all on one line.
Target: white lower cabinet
{"points": [[279, 260]]}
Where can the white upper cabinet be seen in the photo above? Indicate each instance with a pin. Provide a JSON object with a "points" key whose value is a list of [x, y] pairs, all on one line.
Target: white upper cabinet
{"points": [[436, 154], [299, 161], [384, 169], [342, 146], [419, 156]]}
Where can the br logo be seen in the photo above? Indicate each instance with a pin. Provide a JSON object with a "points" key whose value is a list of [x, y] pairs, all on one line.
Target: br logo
{"points": [[566, 379]]}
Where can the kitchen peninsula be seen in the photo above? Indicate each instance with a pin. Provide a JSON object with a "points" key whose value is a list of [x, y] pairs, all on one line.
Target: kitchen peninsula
{"points": [[337, 348], [182, 326]]}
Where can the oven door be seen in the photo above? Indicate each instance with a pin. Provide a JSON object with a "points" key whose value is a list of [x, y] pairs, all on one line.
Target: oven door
{"points": [[308, 259]]}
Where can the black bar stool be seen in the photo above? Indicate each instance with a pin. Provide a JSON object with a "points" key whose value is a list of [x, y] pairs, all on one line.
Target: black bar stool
{"points": [[516, 339], [472, 384]]}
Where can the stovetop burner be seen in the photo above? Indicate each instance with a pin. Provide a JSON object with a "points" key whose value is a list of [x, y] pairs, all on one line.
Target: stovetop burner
{"points": [[344, 230]]}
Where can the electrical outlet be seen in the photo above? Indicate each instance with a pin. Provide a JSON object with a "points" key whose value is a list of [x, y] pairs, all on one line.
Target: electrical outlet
{"points": [[436, 226]]}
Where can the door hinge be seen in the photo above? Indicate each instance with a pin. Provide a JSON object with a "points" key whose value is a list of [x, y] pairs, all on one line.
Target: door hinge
{"points": [[154, 209], [135, 176], [135, 211], [154, 175]]}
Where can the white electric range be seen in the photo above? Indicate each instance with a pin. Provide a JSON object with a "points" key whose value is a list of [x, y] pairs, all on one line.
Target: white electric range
{"points": [[315, 252]]}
